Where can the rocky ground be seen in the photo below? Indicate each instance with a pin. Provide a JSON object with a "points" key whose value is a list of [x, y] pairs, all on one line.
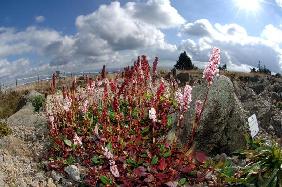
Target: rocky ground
{"points": [[22, 152], [234, 99]]}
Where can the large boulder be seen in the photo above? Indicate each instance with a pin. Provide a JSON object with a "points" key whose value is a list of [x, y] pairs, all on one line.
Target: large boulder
{"points": [[224, 124]]}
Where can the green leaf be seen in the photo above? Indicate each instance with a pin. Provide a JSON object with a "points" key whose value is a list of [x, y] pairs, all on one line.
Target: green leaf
{"points": [[155, 160], [167, 154], [131, 162], [109, 146], [182, 181], [144, 155], [70, 160], [68, 142], [96, 160], [145, 131], [273, 175], [162, 148], [169, 121], [105, 180]]}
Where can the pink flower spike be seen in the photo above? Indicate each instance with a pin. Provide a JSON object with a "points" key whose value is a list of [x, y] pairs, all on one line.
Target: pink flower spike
{"points": [[77, 140], [211, 69], [107, 153], [152, 114], [85, 106], [114, 170], [187, 97]]}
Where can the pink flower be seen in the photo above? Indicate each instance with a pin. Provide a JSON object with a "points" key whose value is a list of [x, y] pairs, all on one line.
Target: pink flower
{"points": [[113, 168], [77, 140], [67, 103], [198, 108], [152, 114], [107, 153], [211, 69], [85, 106], [187, 96], [51, 120], [184, 99]]}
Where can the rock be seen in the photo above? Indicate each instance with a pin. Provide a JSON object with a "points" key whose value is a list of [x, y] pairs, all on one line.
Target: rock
{"points": [[56, 176], [73, 172], [223, 123], [262, 104], [50, 183]]}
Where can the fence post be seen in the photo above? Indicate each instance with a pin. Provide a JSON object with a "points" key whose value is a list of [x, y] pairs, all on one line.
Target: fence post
{"points": [[16, 82]]}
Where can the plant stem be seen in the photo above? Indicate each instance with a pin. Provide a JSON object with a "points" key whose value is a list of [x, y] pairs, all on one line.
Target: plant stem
{"points": [[198, 119]]}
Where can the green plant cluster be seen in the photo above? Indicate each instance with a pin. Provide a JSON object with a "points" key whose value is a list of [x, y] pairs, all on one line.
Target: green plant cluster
{"points": [[263, 165], [38, 102]]}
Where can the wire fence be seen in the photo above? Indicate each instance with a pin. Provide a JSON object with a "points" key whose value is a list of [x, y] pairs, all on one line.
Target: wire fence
{"points": [[11, 84]]}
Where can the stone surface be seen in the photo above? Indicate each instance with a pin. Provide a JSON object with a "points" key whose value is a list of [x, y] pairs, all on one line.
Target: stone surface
{"points": [[223, 123], [262, 104], [21, 152], [73, 172]]}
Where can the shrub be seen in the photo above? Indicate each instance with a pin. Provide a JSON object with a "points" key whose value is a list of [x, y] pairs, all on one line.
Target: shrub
{"points": [[38, 102], [117, 128], [4, 130], [264, 161]]}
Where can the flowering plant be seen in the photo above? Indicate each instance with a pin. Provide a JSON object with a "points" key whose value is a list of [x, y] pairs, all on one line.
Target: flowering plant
{"points": [[117, 128]]}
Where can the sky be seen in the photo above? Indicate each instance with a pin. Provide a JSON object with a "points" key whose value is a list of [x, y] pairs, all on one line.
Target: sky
{"points": [[40, 37]]}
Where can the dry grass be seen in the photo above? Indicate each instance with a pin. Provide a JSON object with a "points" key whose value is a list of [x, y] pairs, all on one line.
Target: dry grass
{"points": [[11, 102]]}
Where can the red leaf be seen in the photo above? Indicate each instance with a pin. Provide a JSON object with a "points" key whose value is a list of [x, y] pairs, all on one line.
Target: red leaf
{"points": [[188, 169], [201, 157], [140, 171], [162, 164], [161, 177]]}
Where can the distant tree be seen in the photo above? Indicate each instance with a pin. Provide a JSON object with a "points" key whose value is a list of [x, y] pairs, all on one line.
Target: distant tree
{"points": [[184, 62], [261, 69], [278, 75], [253, 70], [224, 67]]}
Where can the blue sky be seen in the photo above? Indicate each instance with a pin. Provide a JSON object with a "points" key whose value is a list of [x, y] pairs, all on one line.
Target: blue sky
{"points": [[39, 36]]}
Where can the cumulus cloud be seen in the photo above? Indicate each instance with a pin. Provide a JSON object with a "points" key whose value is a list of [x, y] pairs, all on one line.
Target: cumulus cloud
{"points": [[113, 35], [279, 3], [159, 13], [39, 19], [116, 27], [239, 50], [272, 33], [9, 68]]}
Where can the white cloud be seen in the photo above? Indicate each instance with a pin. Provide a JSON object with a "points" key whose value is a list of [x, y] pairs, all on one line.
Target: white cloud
{"points": [[272, 33], [39, 19], [279, 3], [158, 13], [239, 49], [113, 34], [10, 68], [115, 27]]}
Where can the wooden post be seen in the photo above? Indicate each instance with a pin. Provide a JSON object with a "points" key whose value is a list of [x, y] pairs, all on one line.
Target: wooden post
{"points": [[16, 82]]}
